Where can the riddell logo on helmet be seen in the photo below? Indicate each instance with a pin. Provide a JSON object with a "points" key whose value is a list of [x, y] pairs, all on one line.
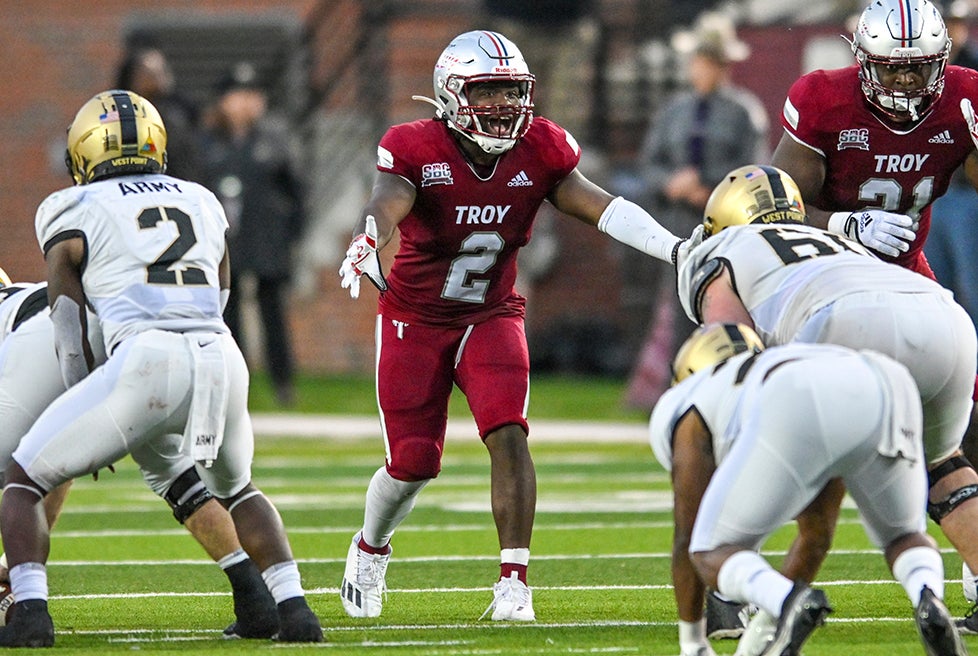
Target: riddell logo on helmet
{"points": [[512, 70]]}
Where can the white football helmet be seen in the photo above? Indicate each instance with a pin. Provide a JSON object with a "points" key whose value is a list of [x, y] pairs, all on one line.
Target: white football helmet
{"points": [[476, 57], [901, 33]]}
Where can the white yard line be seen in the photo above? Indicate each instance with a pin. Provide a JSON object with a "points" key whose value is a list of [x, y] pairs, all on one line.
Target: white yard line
{"points": [[359, 427]]}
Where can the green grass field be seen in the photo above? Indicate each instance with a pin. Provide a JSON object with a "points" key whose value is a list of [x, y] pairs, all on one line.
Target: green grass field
{"points": [[124, 577]]}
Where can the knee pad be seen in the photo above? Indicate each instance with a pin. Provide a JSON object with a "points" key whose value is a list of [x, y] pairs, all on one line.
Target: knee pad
{"points": [[187, 494], [942, 509], [415, 459]]}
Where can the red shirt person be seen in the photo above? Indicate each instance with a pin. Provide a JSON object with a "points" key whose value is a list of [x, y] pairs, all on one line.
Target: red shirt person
{"points": [[463, 189]]}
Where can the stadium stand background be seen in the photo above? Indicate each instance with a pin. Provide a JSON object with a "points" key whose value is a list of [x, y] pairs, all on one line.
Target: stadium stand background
{"points": [[347, 70]]}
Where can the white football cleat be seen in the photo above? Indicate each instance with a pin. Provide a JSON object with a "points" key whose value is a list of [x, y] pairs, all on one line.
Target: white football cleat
{"points": [[512, 601], [758, 634], [364, 584]]}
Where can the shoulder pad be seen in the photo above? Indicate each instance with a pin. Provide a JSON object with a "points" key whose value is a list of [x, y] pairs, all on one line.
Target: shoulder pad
{"points": [[59, 202], [701, 279]]}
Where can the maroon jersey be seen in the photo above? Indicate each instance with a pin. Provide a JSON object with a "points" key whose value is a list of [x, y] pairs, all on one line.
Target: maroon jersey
{"points": [[872, 165], [457, 259]]}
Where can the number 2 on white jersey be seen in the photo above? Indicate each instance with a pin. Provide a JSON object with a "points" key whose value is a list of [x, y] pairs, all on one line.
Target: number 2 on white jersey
{"points": [[159, 272]]}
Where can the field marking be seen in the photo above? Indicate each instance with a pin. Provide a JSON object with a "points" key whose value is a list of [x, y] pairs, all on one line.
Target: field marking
{"points": [[352, 427], [451, 590]]}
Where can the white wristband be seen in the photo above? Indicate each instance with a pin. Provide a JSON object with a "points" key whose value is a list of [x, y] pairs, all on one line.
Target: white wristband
{"points": [[631, 225], [838, 222]]}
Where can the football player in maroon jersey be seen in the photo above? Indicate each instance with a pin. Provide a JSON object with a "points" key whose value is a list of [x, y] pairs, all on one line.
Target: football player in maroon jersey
{"points": [[870, 147], [463, 189]]}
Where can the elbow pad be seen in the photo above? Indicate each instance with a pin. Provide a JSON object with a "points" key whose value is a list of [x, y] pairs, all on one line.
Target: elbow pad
{"points": [[69, 340], [630, 224]]}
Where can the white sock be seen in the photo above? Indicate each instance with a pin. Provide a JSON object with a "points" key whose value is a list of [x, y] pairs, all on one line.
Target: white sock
{"points": [[389, 501], [233, 558], [29, 581], [283, 581], [917, 567], [747, 577]]}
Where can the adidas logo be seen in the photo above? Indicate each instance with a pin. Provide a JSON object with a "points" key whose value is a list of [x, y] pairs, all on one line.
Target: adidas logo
{"points": [[942, 138], [520, 180]]}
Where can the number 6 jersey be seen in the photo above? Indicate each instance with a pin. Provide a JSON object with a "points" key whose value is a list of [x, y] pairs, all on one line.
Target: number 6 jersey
{"points": [[785, 273], [153, 244]]}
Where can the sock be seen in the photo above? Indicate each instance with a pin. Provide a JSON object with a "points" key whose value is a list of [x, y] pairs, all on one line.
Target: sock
{"points": [[917, 567], [514, 560], [747, 577], [232, 559], [29, 581], [389, 501], [283, 581]]}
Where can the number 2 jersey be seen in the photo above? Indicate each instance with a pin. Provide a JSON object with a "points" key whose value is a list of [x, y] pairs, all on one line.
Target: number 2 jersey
{"points": [[785, 273], [457, 259], [870, 164], [153, 244]]}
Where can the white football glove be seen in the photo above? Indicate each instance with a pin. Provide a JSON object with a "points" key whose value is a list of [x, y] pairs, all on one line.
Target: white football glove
{"points": [[683, 247], [884, 232], [361, 259]]}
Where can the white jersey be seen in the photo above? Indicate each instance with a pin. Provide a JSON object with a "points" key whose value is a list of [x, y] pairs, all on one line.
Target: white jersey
{"points": [[20, 301], [154, 245], [800, 283], [785, 273], [786, 421]]}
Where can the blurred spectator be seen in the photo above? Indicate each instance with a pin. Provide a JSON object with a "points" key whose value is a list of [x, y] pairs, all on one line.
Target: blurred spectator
{"points": [[952, 244], [699, 135], [146, 71], [247, 161]]}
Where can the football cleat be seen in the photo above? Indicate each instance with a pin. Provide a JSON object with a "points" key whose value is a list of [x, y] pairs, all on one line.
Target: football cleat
{"points": [[758, 635], [364, 584], [512, 601], [936, 628], [969, 625], [724, 619], [298, 622], [803, 611], [255, 612], [30, 625]]}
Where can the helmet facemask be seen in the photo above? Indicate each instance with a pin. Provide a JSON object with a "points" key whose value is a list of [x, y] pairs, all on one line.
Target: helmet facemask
{"points": [[898, 104], [476, 58], [901, 37], [495, 128]]}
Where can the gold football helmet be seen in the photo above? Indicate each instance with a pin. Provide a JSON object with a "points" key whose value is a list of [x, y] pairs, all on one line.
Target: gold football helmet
{"points": [[712, 344], [4, 279], [753, 194], [117, 132]]}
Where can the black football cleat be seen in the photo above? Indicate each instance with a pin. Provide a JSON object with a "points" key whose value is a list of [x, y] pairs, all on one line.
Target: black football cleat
{"points": [[937, 630], [725, 620], [255, 612], [969, 625], [803, 611], [297, 622], [30, 625]]}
